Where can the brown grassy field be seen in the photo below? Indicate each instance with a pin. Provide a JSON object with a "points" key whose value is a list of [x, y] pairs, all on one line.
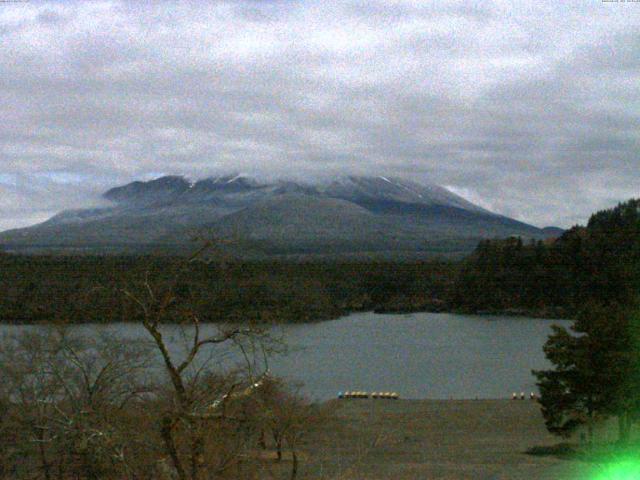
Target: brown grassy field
{"points": [[432, 439]]}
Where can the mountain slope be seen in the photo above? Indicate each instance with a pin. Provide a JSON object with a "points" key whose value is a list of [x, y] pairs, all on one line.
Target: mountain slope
{"points": [[348, 215]]}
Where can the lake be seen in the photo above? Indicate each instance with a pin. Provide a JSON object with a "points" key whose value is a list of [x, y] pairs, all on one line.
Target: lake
{"points": [[419, 355]]}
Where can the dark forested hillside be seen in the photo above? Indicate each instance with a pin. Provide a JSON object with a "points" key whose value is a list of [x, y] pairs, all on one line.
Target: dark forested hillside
{"points": [[598, 263], [90, 289]]}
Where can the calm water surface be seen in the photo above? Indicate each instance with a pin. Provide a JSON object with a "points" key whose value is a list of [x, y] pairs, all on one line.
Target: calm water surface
{"points": [[421, 355]]}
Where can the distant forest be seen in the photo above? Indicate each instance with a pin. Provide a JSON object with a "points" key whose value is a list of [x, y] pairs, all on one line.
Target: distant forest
{"points": [[599, 262], [91, 289]]}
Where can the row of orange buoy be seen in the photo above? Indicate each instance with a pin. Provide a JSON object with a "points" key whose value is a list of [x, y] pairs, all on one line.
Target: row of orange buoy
{"points": [[384, 395], [515, 396]]}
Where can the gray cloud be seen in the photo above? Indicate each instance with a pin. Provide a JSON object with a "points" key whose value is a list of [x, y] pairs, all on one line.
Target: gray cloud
{"points": [[528, 108]]}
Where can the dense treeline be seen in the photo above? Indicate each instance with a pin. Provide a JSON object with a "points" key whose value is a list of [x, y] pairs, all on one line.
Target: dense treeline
{"points": [[596, 363], [590, 274], [599, 263], [596, 263], [89, 288]]}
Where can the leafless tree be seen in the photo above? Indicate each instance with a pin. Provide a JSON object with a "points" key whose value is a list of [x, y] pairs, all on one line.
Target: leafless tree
{"points": [[196, 402], [90, 405], [64, 394], [286, 415]]}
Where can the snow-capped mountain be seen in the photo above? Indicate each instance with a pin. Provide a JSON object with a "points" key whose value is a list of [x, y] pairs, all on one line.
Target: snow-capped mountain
{"points": [[345, 215]]}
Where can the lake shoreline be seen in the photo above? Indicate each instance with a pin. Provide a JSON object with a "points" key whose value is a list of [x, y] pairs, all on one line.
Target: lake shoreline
{"points": [[437, 439], [417, 355], [539, 314]]}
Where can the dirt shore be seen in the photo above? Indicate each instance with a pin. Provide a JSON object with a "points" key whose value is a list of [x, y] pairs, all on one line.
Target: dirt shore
{"points": [[433, 439]]}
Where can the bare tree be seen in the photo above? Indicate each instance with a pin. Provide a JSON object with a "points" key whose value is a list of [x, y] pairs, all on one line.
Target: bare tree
{"points": [[94, 406], [286, 416], [186, 423], [65, 394]]}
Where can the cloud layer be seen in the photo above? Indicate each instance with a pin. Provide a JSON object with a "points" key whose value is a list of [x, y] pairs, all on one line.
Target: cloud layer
{"points": [[531, 109]]}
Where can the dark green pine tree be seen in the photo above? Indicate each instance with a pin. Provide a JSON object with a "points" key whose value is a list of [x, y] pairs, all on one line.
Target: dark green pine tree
{"points": [[596, 371]]}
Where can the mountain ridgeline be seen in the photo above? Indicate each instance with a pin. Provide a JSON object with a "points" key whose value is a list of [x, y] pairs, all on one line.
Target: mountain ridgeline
{"points": [[348, 216]]}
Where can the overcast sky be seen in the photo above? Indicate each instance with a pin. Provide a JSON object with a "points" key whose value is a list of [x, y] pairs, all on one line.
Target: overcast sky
{"points": [[531, 109]]}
